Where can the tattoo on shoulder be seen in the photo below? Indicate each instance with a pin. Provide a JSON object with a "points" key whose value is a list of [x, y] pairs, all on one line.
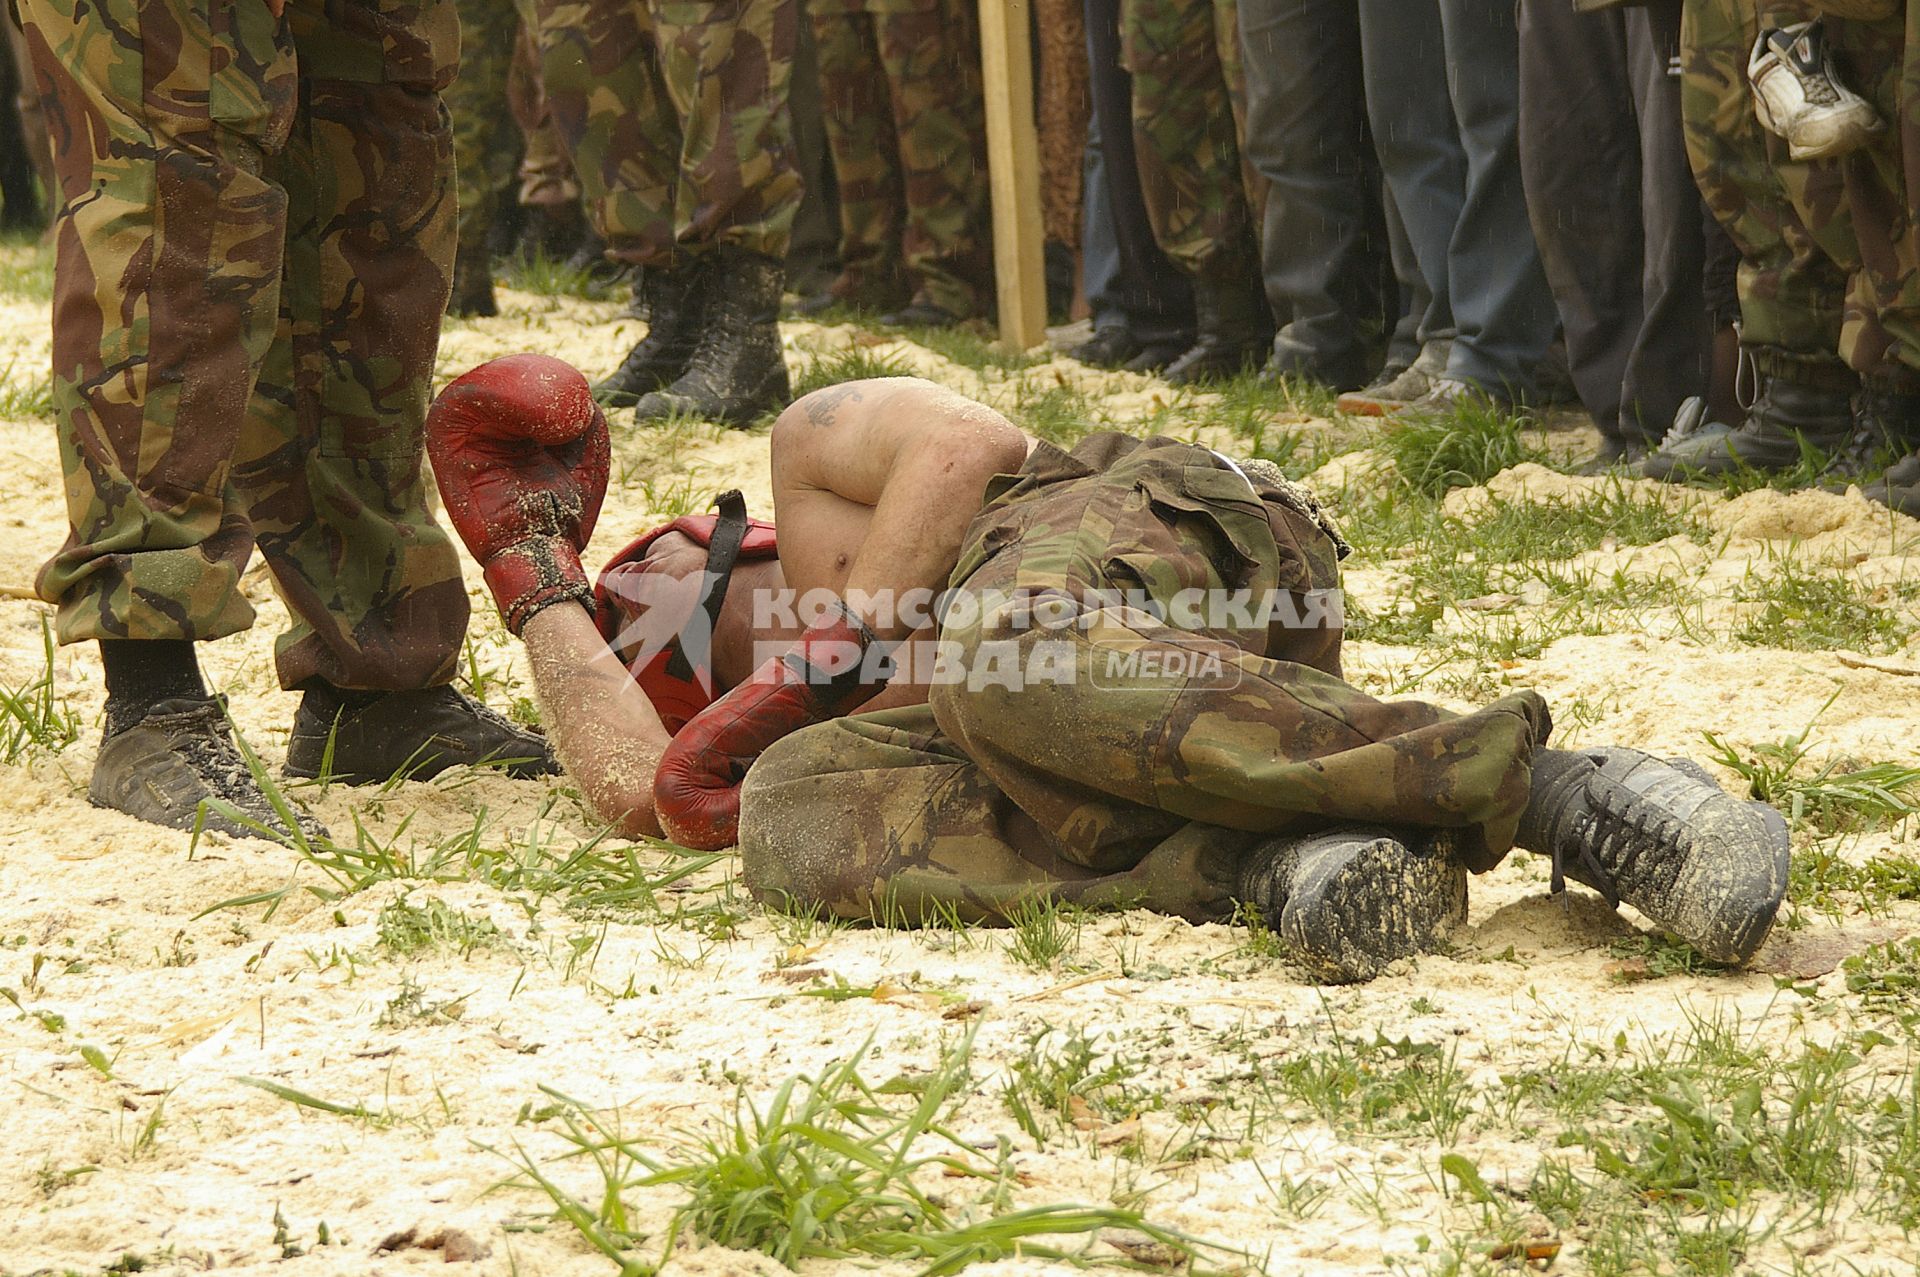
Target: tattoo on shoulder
{"points": [[822, 404]]}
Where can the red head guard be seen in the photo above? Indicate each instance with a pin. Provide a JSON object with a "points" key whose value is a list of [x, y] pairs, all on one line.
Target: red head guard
{"points": [[677, 675]]}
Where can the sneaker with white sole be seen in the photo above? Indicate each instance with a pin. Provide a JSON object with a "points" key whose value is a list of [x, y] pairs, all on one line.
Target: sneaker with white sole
{"points": [[1798, 94]]}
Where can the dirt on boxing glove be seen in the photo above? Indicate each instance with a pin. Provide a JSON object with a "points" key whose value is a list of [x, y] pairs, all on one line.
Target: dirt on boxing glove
{"points": [[696, 791], [521, 453]]}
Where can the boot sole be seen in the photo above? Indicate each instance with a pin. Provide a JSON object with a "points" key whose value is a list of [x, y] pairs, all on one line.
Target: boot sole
{"points": [[1382, 904]]}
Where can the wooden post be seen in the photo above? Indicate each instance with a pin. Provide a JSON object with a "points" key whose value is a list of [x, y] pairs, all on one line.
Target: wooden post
{"points": [[1013, 166]]}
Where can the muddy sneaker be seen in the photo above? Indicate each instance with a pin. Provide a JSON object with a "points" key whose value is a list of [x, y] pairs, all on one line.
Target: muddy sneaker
{"points": [[1448, 395], [1799, 96], [1614, 454], [1348, 902], [1663, 837], [416, 734], [182, 753], [1395, 388]]}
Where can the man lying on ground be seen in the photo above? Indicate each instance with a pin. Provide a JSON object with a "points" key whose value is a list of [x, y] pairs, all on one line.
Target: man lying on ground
{"points": [[1088, 732]]}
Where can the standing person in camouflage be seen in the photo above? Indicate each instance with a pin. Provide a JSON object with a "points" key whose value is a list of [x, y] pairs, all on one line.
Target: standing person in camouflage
{"points": [[253, 246], [1795, 231], [477, 105], [1098, 720], [901, 99], [483, 129], [1880, 338], [1189, 116], [677, 119]]}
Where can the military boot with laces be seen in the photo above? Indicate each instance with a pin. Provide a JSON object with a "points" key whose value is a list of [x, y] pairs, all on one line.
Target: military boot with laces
{"points": [[737, 371], [1663, 837], [178, 756], [362, 738], [1349, 901], [675, 303]]}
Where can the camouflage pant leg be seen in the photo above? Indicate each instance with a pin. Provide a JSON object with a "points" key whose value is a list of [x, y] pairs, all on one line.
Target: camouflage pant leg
{"points": [[1880, 336], [1106, 788], [1788, 219], [332, 460], [546, 169], [477, 106], [882, 816], [931, 52], [183, 281], [601, 65], [156, 344], [1186, 138], [858, 118], [676, 116]]}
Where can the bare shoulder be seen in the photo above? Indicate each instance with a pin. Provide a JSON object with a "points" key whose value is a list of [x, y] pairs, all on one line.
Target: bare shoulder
{"points": [[896, 405]]}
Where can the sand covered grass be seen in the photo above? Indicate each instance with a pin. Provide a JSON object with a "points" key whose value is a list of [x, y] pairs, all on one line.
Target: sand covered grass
{"points": [[480, 1033]]}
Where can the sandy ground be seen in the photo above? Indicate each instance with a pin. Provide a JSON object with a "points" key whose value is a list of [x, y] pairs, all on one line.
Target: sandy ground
{"points": [[141, 1004]]}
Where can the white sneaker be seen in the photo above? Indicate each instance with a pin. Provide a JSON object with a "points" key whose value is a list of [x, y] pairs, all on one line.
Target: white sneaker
{"points": [[1797, 94]]}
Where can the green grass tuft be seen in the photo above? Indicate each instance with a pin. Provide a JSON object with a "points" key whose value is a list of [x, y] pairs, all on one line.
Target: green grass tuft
{"points": [[830, 1167], [1466, 447], [858, 364], [1806, 609]]}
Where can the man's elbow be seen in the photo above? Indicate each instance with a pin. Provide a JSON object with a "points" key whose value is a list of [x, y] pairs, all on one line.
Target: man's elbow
{"points": [[623, 802], [981, 448]]}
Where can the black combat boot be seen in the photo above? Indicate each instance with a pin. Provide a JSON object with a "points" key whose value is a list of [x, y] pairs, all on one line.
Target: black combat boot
{"points": [[1233, 327], [179, 755], [1110, 347], [675, 299], [1886, 424], [1349, 901], [1899, 488], [1663, 837], [472, 294], [367, 738], [1805, 404], [737, 372]]}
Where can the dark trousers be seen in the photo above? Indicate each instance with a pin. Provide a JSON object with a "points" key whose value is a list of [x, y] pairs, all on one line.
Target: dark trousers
{"points": [[1442, 83], [1614, 207], [813, 259], [1306, 134], [1129, 281], [19, 200], [1403, 60]]}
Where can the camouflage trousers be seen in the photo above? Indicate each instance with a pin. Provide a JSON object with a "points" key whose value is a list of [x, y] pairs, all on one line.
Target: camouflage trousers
{"points": [[676, 117], [484, 152], [546, 170], [1880, 332], [253, 247], [1189, 114], [1152, 757], [1830, 262], [905, 122]]}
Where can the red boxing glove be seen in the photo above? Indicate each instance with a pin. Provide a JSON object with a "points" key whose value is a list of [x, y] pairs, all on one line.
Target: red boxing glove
{"points": [[521, 452], [696, 792]]}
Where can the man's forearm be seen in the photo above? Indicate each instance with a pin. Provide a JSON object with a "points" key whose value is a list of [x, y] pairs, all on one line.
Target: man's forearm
{"points": [[602, 725]]}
